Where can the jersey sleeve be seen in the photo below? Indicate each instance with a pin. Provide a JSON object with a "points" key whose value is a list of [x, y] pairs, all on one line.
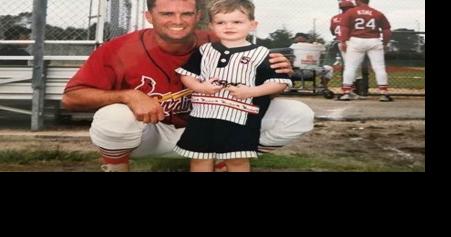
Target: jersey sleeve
{"points": [[385, 24], [265, 74], [332, 26], [192, 68], [97, 72], [345, 26]]}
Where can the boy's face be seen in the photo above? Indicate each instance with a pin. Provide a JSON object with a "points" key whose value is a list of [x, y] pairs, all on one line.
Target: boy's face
{"points": [[174, 20], [232, 27]]}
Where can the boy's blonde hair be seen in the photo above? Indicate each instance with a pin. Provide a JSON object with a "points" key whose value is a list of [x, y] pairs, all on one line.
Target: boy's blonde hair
{"points": [[228, 6]]}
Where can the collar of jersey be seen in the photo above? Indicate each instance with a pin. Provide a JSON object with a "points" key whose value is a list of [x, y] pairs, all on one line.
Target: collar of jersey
{"points": [[221, 48]]}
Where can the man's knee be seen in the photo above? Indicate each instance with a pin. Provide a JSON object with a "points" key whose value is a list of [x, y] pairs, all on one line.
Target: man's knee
{"points": [[115, 127], [285, 121], [298, 117]]}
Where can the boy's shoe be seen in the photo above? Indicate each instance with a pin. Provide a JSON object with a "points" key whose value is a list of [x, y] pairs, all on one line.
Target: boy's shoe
{"points": [[385, 98], [115, 167], [349, 96]]}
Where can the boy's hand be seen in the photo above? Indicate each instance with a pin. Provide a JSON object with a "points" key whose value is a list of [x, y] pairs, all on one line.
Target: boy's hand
{"points": [[240, 92], [209, 87]]}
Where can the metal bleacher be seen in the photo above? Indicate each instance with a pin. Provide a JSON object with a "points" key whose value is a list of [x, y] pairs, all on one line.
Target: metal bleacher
{"points": [[15, 82]]}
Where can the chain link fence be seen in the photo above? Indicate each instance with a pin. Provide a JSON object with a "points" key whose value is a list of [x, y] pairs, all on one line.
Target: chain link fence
{"points": [[72, 27], [119, 18], [12, 15], [68, 20]]}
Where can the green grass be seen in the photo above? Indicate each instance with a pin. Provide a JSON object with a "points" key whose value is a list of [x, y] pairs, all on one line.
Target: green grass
{"points": [[88, 162], [26, 157], [411, 80]]}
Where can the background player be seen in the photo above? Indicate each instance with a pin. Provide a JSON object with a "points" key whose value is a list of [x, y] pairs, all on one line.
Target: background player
{"points": [[361, 28], [344, 6], [15, 32]]}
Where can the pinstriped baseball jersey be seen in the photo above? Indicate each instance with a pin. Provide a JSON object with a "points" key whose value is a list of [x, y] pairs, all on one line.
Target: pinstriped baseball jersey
{"points": [[248, 65]]}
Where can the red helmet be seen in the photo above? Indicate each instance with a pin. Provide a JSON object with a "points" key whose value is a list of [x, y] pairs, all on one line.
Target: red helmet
{"points": [[346, 4]]}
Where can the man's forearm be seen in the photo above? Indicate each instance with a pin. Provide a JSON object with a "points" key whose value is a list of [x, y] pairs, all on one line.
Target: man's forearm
{"points": [[267, 89], [344, 34], [91, 99], [386, 34], [192, 83]]}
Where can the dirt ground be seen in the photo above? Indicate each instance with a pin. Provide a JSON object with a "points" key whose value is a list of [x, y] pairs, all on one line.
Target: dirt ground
{"points": [[385, 143], [391, 142]]}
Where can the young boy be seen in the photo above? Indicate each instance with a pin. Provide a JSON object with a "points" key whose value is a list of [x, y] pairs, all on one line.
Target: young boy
{"points": [[232, 81]]}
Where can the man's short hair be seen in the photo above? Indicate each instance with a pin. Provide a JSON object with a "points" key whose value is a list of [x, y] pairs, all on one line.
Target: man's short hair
{"points": [[151, 4], [302, 37], [228, 6], [15, 33], [365, 1]]}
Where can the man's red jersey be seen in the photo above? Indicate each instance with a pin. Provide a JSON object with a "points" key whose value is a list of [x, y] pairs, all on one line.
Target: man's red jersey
{"points": [[135, 61], [363, 22]]}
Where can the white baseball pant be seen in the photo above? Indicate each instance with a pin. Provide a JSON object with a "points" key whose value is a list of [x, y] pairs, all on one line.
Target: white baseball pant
{"points": [[356, 50], [114, 127], [358, 74]]}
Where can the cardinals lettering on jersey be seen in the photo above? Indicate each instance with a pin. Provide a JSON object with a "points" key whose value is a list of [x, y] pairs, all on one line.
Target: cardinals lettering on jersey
{"points": [[175, 103]]}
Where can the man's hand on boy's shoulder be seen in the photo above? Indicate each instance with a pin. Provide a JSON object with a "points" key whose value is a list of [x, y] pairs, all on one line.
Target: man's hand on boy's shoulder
{"points": [[280, 63]]}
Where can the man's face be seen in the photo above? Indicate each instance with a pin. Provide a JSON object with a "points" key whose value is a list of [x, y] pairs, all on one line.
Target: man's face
{"points": [[174, 20]]}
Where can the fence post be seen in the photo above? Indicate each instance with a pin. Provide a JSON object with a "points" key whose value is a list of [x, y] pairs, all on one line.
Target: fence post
{"points": [[38, 81], [115, 5], [101, 21], [363, 86]]}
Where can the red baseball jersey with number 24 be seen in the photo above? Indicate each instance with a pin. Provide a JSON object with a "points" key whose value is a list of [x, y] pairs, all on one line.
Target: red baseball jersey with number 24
{"points": [[363, 22]]}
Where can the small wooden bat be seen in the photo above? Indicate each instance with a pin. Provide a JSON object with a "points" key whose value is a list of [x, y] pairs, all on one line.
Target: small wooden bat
{"points": [[175, 96]]}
